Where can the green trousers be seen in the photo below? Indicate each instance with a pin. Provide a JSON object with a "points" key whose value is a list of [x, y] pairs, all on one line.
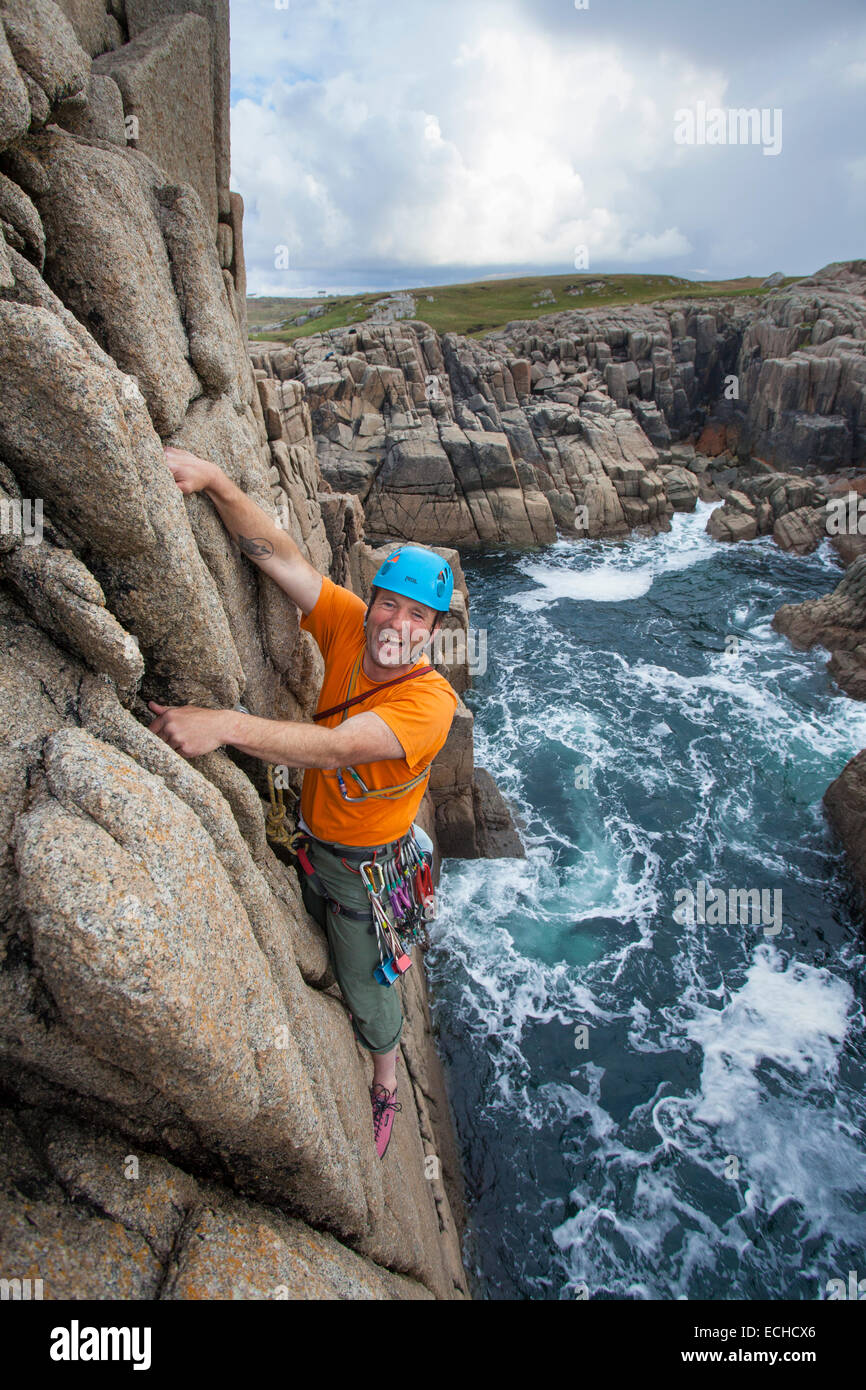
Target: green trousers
{"points": [[377, 1017]]}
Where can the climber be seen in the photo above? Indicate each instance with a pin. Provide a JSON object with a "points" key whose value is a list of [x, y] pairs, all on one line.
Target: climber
{"points": [[386, 747]]}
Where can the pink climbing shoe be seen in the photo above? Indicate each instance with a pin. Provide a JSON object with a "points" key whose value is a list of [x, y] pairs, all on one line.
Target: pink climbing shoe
{"points": [[384, 1110]]}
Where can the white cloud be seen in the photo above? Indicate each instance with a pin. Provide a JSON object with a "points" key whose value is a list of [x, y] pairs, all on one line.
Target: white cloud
{"points": [[666, 246], [505, 149], [475, 134]]}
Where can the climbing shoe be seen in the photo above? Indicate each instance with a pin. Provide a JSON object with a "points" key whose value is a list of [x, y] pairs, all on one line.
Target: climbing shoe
{"points": [[384, 1110]]}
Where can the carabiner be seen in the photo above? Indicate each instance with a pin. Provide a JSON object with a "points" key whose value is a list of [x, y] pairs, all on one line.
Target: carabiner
{"points": [[368, 871]]}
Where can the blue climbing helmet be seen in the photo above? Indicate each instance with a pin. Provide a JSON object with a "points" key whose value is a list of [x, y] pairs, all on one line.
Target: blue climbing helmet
{"points": [[416, 572]]}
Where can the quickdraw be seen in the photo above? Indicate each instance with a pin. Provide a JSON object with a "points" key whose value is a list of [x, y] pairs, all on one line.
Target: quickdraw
{"points": [[394, 960], [401, 897]]}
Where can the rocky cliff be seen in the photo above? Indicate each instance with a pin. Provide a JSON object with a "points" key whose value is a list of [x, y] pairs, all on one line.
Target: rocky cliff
{"points": [[184, 1110], [587, 423], [591, 423], [837, 622]]}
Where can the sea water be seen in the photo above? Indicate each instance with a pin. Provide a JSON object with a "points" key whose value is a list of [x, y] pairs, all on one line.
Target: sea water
{"points": [[650, 1109]]}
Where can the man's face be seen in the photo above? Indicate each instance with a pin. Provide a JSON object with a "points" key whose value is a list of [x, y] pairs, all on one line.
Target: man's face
{"points": [[397, 628]]}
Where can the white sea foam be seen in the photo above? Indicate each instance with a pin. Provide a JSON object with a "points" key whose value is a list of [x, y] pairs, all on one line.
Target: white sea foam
{"points": [[605, 584], [630, 575]]}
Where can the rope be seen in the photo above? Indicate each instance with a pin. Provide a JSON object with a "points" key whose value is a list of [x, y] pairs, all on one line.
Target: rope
{"points": [[278, 827]]}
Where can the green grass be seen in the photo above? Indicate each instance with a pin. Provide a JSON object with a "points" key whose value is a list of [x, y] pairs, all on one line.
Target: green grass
{"points": [[481, 306]]}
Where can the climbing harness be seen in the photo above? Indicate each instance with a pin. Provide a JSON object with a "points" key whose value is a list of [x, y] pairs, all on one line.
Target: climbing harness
{"points": [[400, 889], [299, 844]]}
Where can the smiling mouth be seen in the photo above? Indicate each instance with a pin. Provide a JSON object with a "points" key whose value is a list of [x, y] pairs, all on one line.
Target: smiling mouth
{"points": [[391, 647], [388, 647]]}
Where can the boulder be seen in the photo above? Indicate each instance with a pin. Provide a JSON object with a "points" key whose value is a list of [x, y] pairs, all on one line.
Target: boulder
{"points": [[681, 488], [845, 804], [496, 833], [45, 48], [735, 522], [801, 530], [836, 622], [164, 76]]}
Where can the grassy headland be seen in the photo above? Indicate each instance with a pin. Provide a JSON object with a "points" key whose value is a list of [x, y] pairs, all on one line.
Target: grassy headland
{"points": [[480, 306]]}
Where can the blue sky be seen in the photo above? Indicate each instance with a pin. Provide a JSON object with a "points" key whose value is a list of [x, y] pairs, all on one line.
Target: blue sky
{"points": [[383, 145]]}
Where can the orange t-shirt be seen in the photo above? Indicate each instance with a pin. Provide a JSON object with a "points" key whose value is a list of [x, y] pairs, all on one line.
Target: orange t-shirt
{"points": [[419, 712]]}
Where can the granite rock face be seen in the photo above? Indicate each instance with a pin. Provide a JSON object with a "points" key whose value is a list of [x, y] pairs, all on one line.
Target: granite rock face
{"points": [[166, 1004], [802, 366], [837, 622], [164, 78], [443, 441], [94, 1218], [845, 804]]}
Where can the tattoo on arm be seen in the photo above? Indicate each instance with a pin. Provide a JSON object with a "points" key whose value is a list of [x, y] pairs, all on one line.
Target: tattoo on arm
{"points": [[255, 546]]}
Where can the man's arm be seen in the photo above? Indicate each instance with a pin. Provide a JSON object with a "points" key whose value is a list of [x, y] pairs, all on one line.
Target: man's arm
{"points": [[364, 738], [266, 544]]}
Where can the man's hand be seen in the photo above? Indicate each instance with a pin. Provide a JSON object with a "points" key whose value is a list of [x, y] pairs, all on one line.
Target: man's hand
{"points": [[191, 731], [191, 473]]}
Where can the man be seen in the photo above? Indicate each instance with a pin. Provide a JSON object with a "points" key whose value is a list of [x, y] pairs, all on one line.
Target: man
{"points": [[366, 767]]}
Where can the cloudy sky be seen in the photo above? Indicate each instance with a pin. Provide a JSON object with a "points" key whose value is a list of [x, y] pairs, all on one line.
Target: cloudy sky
{"points": [[380, 145]]}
